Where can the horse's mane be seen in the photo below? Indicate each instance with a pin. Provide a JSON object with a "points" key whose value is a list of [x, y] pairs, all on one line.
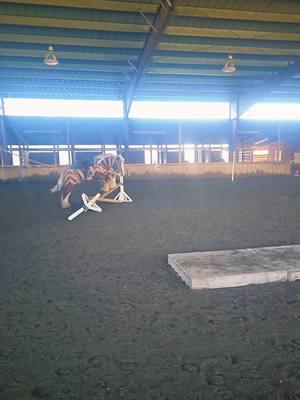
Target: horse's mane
{"points": [[99, 158]]}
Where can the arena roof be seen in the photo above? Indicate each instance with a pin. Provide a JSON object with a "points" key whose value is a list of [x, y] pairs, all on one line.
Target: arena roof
{"points": [[157, 49]]}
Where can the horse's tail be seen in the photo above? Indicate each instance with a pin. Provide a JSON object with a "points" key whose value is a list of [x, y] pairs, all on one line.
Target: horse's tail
{"points": [[71, 178]]}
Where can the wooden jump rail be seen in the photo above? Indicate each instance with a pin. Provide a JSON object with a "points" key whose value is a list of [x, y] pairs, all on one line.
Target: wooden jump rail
{"points": [[104, 198]]}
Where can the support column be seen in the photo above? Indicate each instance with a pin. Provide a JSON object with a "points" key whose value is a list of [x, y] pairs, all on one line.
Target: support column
{"points": [[151, 152], [70, 141], [165, 154], [234, 120], [202, 153], [180, 143], [233, 130], [56, 154], [3, 137], [279, 153], [126, 131]]}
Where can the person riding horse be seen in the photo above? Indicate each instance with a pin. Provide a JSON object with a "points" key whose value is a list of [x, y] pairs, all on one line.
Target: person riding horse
{"points": [[100, 175]]}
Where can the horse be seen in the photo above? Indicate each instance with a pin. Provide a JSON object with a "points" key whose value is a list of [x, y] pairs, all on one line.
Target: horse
{"points": [[105, 170]]}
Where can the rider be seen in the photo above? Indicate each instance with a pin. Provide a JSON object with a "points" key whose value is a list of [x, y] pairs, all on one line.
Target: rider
{"points": [[84, 166]]}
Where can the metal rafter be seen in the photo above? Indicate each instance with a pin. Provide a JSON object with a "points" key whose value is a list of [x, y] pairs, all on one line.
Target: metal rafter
{"points": [[147, 86], [231, 33], [143, 28], [181, 59], [70, 55], [121, 6], [133, 44], [71, 41], [200, 70], [164, 13], [55, 83], [73, 24], [16, 73], [65, 66], [203, 12], [211, 48], [188, 11]]}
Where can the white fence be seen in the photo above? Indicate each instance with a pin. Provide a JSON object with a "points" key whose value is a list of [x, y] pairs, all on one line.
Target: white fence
{"points": [[24, 155]]}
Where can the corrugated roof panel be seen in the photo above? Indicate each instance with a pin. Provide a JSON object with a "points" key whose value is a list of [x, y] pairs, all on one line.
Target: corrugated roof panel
{"points": [[257, 57], [71, 49], [72, 13], [94, 64], [234, 24], [206, 72], [64, 76], [181, 97], [66, 64], [76, 33], [230, 41], [142, 1], [286, 6], [192, 79], [42, 94]]}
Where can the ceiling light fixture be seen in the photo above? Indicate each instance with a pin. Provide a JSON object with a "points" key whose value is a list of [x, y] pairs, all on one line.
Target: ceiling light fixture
{"points": [[229, 65], [50, 58]]}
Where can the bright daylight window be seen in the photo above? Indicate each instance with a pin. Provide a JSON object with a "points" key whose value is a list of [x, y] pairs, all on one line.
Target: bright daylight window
{"points": [[273, 111], [179, 110], [63, 108]]}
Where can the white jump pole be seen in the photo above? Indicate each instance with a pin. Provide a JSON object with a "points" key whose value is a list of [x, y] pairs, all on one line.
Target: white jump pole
{"points": [[88, 205], [233, 167]]}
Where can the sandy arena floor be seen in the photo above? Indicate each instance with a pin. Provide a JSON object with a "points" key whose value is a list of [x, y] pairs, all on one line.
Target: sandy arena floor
{"points": [[90, 310]]}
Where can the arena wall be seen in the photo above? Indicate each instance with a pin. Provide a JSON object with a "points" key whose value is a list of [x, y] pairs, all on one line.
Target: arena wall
{"points": [[205, 170], [38, 173], [154, 171]]}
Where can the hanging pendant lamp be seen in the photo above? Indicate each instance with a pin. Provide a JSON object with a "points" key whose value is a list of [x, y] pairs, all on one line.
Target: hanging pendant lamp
{"points": [[229, 65], [50, 58]]}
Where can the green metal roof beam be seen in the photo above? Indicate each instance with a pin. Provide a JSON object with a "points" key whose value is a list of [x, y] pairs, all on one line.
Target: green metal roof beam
{"points": [[187, 11], [181, 60], [63, 75], [73, 24], [63, 66], [191, 47], [71, 41], [165, 46], [141, 28], [121, 6], [164, 13], [203, 12], [157, 79], [69, 55], [117, 68], [229, 33], [51, 83], [45, 82]]}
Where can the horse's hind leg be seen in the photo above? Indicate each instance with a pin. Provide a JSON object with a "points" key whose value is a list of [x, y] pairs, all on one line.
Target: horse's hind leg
{"points": [[58, 185], [65, 201]]}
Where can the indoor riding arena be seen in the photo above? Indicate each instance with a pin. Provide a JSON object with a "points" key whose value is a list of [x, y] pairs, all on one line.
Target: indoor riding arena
{"points": [[150, 200]]}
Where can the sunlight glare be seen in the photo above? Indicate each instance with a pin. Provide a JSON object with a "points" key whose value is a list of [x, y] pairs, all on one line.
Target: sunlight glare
{"points": [[273, 111], [179, 110], [63, 108]]}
